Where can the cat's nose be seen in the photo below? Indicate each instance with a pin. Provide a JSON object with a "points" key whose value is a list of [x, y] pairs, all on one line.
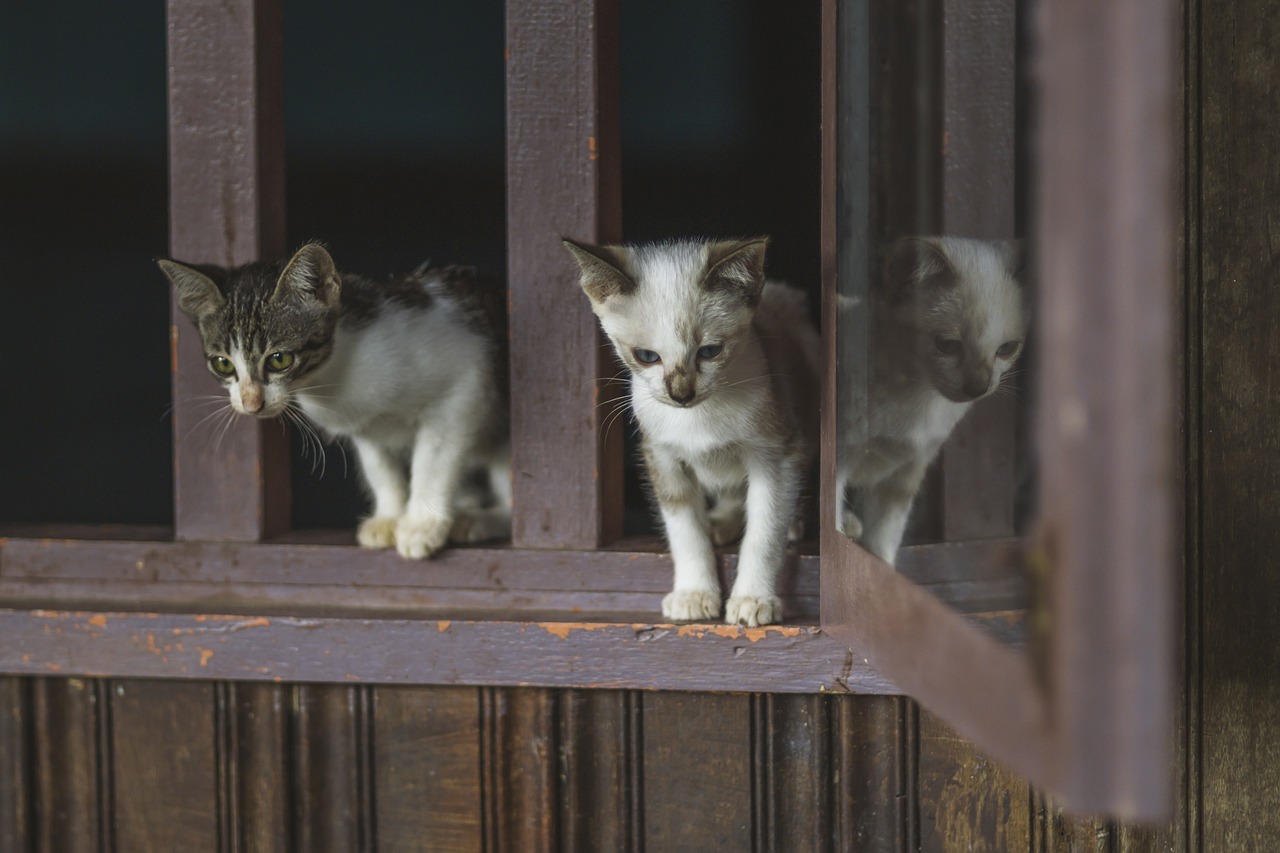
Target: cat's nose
{"points": [[681, 387], [976, 385]]}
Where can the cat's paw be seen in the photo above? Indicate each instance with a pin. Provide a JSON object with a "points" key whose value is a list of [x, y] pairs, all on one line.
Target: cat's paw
{"points": [[480, 526], [727, 529], [850, 525], [691, 605], [377, 532], [753, 611], [419, 536]]}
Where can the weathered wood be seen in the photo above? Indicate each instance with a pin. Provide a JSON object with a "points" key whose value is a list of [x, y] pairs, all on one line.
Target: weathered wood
{"points": [[256, 760], [163, 766], [526, 765], [873, 755], [697, 772], [226, 173], [427, 769], [330, 784], [782, 658], [1237, 745], [17, 786], [563, 179], [68, 797], [599, 743], [796, 773], [965, 800]]}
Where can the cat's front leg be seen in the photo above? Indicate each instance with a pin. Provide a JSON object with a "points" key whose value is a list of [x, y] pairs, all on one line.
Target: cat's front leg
{"points": [[885, 511], [384, 475], [773, 489], [695, 595], [434, 470]]}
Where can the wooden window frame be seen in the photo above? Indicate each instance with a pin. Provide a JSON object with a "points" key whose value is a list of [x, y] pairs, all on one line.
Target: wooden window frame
{"points": [[231, 593]]}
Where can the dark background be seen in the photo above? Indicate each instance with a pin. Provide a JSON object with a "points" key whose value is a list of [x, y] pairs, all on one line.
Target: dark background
{"points": [[395, 151]]}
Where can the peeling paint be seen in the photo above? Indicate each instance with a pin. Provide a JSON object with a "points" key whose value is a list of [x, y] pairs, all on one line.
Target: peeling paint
{"points": [[205, 656], [98, 620], [564, 629], [443, 625]]}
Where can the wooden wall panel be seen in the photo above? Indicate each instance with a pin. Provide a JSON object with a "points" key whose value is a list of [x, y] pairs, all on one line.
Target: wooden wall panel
{"points": [[16, 777], [1239, 82], [163, 767], [70, 805], [522, 755], [966, 801], [873, 749], [330, 782], [600, 798], [427, 769], [255, 762], [698, 779], [798, 773]]}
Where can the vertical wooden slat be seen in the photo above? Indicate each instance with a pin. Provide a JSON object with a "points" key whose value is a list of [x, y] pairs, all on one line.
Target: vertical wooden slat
{"points": [[259, 767], [17, 782], [525, 770], [599, 752], [873, 751], [328, 791], [226, 172], [68, 798], [563, 180], [966, 801], [979, 39], [1235, 275], [799, 768], [427, 769], [1105, 253], [164, 767], [697, 772]]}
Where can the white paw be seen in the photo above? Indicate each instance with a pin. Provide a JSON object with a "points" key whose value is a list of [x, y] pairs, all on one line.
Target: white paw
{"points": [[753, 611], [480, 526], [418, 537], [377, 532], [691, 605], [727, 529], [850, 525]]}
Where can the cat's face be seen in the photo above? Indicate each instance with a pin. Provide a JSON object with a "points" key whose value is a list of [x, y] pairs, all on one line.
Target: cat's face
{"points": [[965, 307], [676, 313], [264, 327]]}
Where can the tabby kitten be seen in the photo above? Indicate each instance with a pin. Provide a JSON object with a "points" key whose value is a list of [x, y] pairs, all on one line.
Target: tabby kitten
{"points": [[412, 371], [948, 321], [724, 372]]}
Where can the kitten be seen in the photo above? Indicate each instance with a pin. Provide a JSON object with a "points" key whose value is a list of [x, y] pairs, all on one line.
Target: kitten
{"points": [[948, 322], [412, 371], [724, 381]]}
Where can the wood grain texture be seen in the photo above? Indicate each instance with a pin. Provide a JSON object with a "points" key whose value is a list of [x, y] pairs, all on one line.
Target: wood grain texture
{"points": [[330, 784], [563, 177], [599, 744], [226, 206], [966, 801], [874, 773], [70, 811], [1239, 446], [796, 773], [697, 772], [427, 769], [256, 763], [526, 765], [17, 781], [164, 771]]}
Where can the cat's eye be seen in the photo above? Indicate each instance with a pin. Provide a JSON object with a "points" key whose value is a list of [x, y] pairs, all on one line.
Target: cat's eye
{"points": [[710, 351], [280, 361], [646, 356], [1008, 349], [948, 346], [222, 365]]}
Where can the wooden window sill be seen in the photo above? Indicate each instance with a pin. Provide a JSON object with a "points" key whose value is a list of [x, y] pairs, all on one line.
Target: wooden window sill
{"points": [[314, 608]]}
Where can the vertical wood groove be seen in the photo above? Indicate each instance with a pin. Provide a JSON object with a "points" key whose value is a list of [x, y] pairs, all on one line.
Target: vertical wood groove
{"points": [[17, 766]]}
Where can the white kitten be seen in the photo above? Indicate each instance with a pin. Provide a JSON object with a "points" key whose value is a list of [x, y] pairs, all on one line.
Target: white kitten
{"points": [[724, 382], [412, 371], [947, 322]]}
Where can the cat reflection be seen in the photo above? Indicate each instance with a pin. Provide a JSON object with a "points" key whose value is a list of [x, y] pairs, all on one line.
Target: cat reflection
{"points": [[948, 320]]}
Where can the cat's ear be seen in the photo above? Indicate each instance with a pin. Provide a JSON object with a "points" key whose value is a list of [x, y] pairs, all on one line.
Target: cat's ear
{"points": [[310, 276], [198, 295], [914, 263], [602, 275], [736, 266]]}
